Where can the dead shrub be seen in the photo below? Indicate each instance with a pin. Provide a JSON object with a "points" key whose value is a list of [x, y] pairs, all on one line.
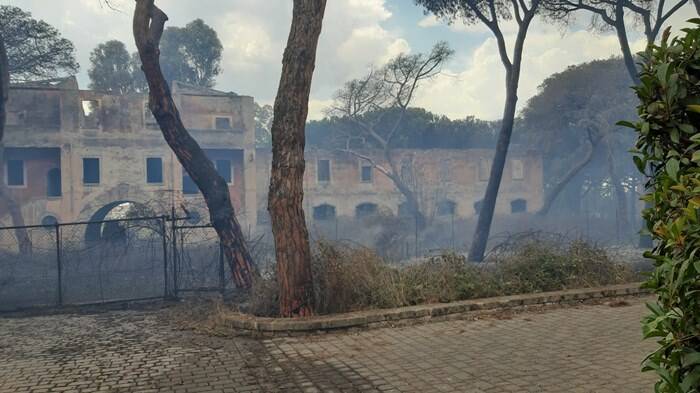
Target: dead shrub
{"points": [[539, 263], [351, 278]]}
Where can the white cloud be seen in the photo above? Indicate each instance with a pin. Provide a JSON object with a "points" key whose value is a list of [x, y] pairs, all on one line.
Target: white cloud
{"points": [[253, 33], [479, 87], [317, 108], [476, 86], [429, 21], [355, 35]]}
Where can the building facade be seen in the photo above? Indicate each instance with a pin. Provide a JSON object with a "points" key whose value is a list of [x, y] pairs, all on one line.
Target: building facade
{"points": [[75, 155], [447, 182]]}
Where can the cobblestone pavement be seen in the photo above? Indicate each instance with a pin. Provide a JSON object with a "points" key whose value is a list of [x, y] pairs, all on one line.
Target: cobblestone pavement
{"points": [[582, 349]]}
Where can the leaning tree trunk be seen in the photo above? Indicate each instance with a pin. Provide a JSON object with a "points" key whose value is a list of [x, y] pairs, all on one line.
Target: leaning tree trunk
{"points": [[405, 190], [287, 177], [24, 243], [411, 199], [483, 225], [561, 184], [149, 22]]}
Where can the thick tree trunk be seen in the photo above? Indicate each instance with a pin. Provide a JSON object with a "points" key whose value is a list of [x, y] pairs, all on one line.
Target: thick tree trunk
{"points": [[287, 177], [24, 243], [148, 26], [697, 6], [561, 184]]}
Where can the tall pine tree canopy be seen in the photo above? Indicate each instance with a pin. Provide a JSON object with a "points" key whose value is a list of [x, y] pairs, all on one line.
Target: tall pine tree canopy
{"points": [[191, 54], [35, 49], [113, 69]]}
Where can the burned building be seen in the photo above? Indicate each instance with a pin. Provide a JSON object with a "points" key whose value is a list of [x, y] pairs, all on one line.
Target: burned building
{"points": [[75, 155], [446, 182]]}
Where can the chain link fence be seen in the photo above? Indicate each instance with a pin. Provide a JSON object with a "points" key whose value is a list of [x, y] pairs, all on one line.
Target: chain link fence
{"points": [[28, 278], [121, 260], [199, 260]]}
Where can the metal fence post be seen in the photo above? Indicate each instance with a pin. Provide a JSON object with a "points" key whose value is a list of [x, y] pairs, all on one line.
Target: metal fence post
{"points": [[163, 228], [59, 264], [174, 235], [222, 279]]}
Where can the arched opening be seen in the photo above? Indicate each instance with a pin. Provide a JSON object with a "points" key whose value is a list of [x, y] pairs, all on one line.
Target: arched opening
{"points": [[365, 210], [99, 230], [446, 207], [324, 212], [49, 220], [53, 183]]}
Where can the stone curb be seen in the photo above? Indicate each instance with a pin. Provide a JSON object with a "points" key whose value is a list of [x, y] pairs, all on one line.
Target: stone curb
{"points": [[261, 326]]}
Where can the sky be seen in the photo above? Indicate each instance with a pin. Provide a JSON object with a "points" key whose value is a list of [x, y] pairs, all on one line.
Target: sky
{"points": [[357, 35]]}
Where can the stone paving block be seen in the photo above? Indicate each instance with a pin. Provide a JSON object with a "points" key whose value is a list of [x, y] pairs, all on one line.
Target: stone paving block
{"points": [[578, 349]]}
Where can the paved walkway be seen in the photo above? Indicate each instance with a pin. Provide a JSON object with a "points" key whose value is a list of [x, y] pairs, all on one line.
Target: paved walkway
{"points": [[583, 349]]}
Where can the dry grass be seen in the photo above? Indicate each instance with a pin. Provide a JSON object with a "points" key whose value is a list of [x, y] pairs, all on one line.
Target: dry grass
{"points": [[354, 278]]}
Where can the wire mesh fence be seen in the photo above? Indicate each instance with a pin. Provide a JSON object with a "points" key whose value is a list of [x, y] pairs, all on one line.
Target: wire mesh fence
{"points": [[128, 261], [199, 260], [28, 278], [108, 261]]}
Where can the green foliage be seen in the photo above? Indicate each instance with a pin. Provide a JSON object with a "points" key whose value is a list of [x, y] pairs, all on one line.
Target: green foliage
{"points": [[35, 49], [572, 118], [420, 129], [113, 69], [263, 125], [667, 151], [191, 54], [587, 97]]}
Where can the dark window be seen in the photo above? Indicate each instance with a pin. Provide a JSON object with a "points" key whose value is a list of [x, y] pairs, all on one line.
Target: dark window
{"points": [[49, 220], [15, 172], [477, 206], [366, 174], [188, 185], [446, 208], [518, 206], [323, 172], [223, 123], [324, 212], [154, 170], [365, 210], [91, 170], [223, 167], [53, 183]]}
